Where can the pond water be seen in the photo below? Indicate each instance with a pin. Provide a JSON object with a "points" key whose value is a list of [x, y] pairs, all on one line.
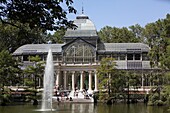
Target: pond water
{"points": [[85, 108]]}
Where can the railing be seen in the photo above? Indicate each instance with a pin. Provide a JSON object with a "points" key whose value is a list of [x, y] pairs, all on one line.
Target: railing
{"points": [[134, 65]]}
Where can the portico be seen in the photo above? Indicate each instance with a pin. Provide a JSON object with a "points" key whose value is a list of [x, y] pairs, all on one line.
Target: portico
{"points": [[82, 77]]}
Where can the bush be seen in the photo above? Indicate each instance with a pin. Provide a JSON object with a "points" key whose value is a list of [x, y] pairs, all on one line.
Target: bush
{"points": [[159, 98], [5, 96], [103, 96]]}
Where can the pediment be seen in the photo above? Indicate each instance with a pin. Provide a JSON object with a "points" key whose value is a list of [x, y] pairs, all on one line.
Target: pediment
{"points": [[78, 40]]}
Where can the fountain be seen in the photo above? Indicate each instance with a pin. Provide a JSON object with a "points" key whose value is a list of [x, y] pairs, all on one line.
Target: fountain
{"points": [[48, 83]]}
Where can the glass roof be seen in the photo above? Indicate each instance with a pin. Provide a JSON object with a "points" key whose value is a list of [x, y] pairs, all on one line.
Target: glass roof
{"points": [[57, 48], [125, 47], [85, 27], [38, 48]]}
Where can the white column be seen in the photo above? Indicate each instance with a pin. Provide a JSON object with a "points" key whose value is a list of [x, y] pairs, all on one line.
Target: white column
{"points": [[81, 81], [90, 83], [142, 80], [39, 82], [65, 80], [73, 82], [57, 79], [96, 81]]}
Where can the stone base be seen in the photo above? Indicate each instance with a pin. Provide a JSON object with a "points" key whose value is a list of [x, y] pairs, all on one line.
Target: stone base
{"points": [[90, 92], [81, 95]]}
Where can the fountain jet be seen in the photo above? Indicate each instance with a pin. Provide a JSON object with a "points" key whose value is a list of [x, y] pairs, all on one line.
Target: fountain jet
{"points": [[48, 83]]}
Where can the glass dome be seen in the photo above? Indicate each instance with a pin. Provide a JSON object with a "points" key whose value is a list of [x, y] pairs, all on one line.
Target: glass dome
{"points": [[85, 28]]}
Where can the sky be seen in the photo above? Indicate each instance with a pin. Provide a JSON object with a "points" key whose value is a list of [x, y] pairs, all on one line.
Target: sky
{"points": [[122, 13]]}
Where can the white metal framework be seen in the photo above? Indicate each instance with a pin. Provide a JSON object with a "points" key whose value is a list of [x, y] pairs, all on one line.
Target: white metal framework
{"points": [[79, 53]]}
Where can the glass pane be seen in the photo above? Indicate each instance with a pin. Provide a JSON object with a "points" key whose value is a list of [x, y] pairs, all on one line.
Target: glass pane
{"points": [[25, 58], [137, 56], [122, 56], [79, 53], [115, 56], [129, 56], [145, 57]]}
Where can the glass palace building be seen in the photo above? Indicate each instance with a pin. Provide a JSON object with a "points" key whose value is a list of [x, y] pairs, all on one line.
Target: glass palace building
{"points": [[77, 59]]}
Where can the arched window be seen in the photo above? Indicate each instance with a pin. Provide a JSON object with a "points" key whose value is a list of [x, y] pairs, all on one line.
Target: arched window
{"points": [[79, 53]]}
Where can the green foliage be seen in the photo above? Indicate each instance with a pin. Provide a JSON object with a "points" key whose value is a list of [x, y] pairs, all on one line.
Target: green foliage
{"points": [[106, 68], [117, 35], [47, 15], [9, 69], [111, 79], [12, 38], [103, 96], [29, 82], [57, 36], [5, 96], [25, 22], [35, 71], [137, 30], [157, 37], [155, 34], [159, 96], [133, 79], [107, 65], [165, 62], [167, 78]]}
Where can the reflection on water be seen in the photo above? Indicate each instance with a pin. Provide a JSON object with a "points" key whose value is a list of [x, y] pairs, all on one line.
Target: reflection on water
{"points": [[85, 108]]}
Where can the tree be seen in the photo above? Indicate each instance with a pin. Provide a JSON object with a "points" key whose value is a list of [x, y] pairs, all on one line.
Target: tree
{"points": [[165, 59], [111, 79], [11, 37], [44, 14], [105, 70], [154, 33], [117, 35], [132, 80], [9, 69], [34, 72], [57, 36], [157, 36], [137, 30], [105, 34]]}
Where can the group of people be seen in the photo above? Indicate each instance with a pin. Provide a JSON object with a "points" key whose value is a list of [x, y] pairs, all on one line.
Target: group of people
{"points": [[63, 95]]}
